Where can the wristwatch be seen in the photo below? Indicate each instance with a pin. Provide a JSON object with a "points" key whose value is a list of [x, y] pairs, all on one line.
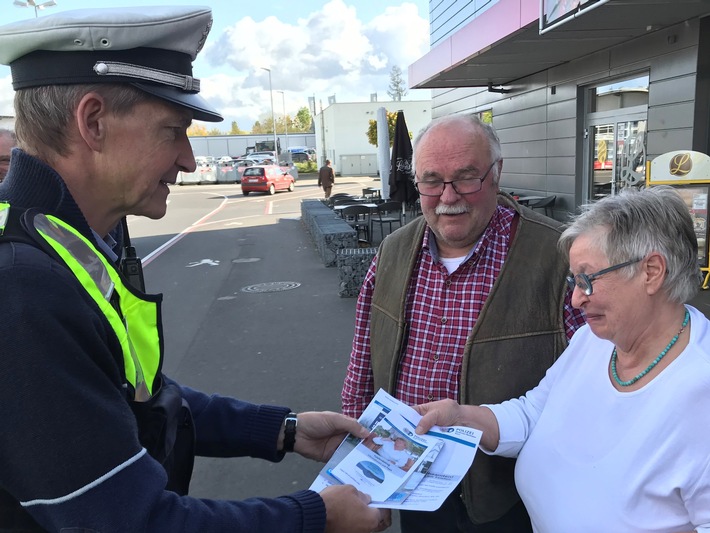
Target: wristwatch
{"points": [[291, 421]]}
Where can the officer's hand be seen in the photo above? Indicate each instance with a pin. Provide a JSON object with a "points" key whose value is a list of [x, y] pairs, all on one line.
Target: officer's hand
{"points": [[318, 434], [347, 511]]}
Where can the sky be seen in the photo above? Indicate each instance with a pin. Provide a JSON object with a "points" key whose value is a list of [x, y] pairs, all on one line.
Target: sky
{"points": [[345, 48]]}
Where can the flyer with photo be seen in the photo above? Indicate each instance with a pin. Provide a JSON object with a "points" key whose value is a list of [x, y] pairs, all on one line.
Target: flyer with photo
{"points": [[396, 467], [379, 464]]}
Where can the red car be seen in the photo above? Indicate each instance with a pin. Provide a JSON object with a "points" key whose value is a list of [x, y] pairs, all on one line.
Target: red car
{"points": [[266, 178]]}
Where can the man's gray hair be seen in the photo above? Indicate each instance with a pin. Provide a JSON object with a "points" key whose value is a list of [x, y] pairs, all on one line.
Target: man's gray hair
{"points": [[472, 119], [633, 224], [45, 113]]}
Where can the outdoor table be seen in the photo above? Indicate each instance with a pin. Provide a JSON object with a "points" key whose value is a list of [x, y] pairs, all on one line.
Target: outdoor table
{"points": [[340, 207], [525, 200]]}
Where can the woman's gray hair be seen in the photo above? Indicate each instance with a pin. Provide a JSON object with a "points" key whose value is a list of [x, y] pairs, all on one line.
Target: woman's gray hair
{"points": [[472, 119], [43, 114], [633, 224]]}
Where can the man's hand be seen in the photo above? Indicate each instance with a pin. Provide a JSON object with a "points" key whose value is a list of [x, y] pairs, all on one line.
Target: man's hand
{"points": [[347, 511], [318, 434]]}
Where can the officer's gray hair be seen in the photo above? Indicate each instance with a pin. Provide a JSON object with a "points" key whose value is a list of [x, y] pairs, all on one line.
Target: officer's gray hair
{"points": [[43, 114]]}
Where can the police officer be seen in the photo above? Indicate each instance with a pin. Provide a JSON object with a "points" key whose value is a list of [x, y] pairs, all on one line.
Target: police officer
{"points": [[94, 437]]}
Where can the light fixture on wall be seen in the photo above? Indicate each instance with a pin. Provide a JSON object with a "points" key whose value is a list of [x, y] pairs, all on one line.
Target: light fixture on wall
{"points": [[498, 89]]}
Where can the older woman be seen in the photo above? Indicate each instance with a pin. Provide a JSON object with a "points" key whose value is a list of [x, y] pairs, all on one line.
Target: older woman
{"points": [[616, 437]]}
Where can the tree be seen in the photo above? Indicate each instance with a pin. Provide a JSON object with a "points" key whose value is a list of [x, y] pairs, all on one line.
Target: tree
{"points": [[303, 120], [215, 131], [197, 130], [397, 88], [372, 129], [257, 128], [235, 129]]}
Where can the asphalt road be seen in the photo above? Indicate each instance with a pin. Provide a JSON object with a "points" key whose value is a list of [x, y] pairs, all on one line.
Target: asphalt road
{"points": [[286, 347]]}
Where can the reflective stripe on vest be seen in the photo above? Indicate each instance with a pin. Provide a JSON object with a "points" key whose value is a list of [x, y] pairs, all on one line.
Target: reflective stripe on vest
{"points": [[4, 213], [138, 331]]}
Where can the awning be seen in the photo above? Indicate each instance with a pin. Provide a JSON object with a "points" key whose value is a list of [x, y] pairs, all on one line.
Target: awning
{"points": [[503, 44]]}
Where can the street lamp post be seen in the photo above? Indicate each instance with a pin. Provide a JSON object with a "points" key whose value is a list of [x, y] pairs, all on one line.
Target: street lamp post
{"points": [[273, 118], [32, 3], [283, 102]]}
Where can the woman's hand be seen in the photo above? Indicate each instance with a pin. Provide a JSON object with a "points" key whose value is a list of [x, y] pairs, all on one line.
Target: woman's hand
{"points": [[449, 413]]}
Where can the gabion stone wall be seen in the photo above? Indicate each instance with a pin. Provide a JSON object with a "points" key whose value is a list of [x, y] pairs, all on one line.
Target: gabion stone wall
{"points": [[329, 232], [352, 267]]}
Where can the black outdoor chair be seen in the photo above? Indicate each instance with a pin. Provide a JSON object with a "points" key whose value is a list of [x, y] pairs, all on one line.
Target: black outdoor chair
{"points": [[414, 209], [358, 216], [338, 196], [339, 204], [387, 213], [546, 203]]}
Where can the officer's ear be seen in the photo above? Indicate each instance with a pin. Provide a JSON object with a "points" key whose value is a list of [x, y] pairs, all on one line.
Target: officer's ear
{"points": [[90, 117]]}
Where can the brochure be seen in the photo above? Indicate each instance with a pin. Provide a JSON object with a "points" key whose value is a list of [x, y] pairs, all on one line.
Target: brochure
{"points": [[396, 467]]}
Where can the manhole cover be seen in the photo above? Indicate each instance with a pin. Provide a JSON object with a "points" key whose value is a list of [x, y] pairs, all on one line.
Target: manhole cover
{"points": [[274, 286]]}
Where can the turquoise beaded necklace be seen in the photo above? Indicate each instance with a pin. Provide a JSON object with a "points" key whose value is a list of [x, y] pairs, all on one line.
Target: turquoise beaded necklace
{"points": [[633, 380]]}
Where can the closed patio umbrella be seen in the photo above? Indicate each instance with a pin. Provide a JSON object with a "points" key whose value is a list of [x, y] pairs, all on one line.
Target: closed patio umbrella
{"points": [[400, 180]]}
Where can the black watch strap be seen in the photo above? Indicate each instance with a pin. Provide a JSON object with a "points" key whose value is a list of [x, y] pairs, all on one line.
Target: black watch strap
{"points": [[291, 421]]}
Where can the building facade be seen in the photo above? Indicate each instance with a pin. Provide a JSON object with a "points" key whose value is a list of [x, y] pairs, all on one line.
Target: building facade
{"points": [[341, 133], [581, 92], [238, 145]]}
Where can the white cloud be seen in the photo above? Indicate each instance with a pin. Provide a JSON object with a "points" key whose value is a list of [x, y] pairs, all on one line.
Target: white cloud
{"points": [[327, 51], [330, 51]]}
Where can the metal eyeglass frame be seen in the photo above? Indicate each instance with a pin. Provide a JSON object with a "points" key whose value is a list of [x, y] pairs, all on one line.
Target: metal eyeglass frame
{"points": [[584, 281], [453, 183]]}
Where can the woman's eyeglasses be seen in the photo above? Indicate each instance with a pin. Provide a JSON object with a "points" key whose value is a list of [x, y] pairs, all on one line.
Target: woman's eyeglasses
{"points": [[584, 281]]}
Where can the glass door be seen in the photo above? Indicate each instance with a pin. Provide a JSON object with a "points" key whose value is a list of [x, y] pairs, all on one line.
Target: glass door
{"points": [[615, 133], [618, 156]]}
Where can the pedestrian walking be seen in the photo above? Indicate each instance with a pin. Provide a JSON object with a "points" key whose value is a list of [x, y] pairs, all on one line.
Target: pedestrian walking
{"points": [[326, 178]]}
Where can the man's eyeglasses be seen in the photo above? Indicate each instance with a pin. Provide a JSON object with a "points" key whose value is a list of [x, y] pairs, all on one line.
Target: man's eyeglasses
{"points": [[460, 186], [584, 281]]}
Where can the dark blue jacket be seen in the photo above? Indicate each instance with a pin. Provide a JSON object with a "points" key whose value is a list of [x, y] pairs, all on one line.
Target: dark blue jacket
{"points": [[70, 456]]}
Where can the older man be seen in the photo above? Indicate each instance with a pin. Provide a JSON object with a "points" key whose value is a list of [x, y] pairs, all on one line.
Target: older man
{"points": [[467, 302], [94, 437], [7, 142]]}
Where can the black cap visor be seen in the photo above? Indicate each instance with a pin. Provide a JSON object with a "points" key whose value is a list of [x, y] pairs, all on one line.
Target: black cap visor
{"points": [[199, 106]]}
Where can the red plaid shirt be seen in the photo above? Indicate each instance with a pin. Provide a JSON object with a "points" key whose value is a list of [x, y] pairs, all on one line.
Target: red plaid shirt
{"points": [[439, 322]]}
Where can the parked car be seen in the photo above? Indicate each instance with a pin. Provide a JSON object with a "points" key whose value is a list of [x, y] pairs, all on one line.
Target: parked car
{"points": [[262, 159], [268, 153], [206, 172], [241, 163], [310, 152], [266, 178], [300, 157]]}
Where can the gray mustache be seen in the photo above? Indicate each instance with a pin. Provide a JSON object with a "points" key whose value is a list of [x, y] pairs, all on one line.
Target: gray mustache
{"points": [[450, 209]]}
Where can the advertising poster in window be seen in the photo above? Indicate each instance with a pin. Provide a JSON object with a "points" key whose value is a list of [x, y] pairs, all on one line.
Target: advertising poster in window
{"points": [[555, 12], [696, 198]]}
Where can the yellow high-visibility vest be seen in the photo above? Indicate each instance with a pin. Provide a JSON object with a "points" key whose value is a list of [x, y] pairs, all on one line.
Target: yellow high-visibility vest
{"points": [[136, 325]]}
